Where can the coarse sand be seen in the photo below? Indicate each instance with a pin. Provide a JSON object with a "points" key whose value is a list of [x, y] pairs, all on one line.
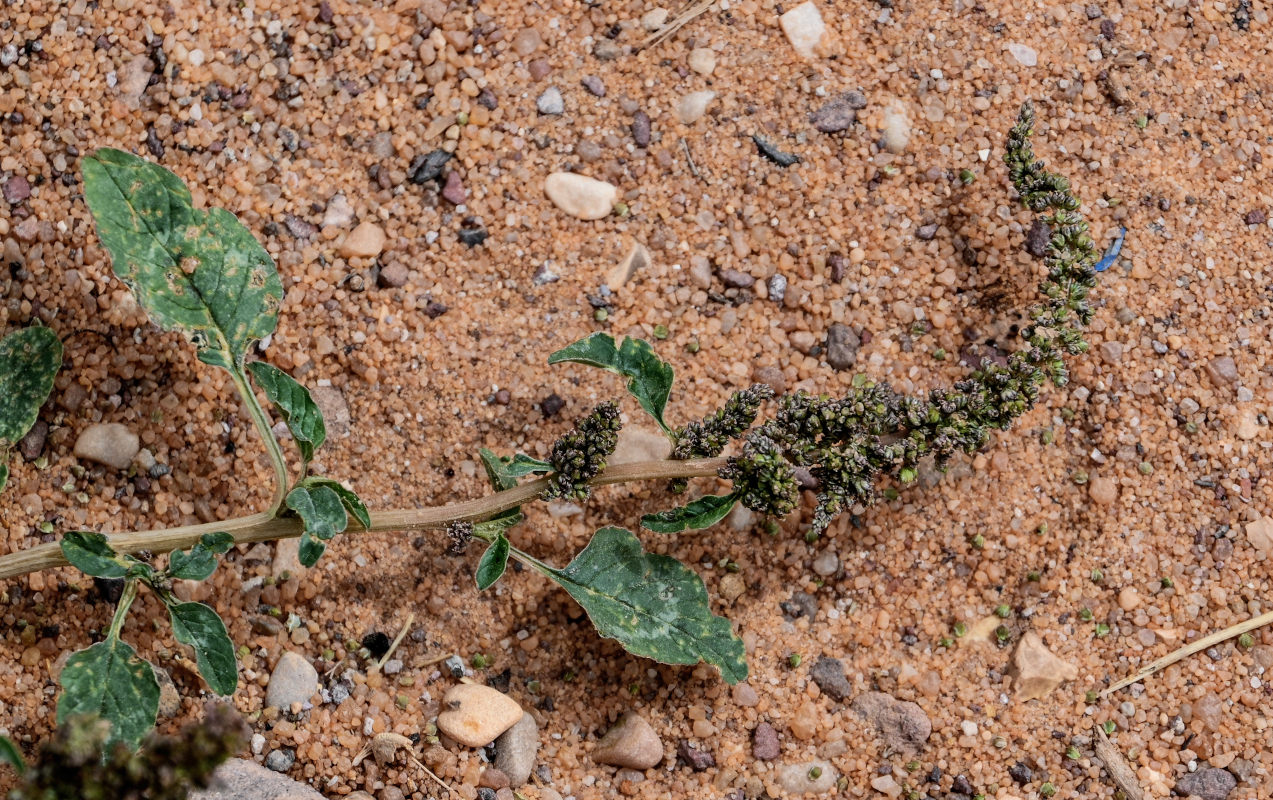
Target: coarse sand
{"points": [[1131, 503]]}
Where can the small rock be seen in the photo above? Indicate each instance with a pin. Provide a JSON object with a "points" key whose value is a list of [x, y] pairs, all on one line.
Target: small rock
{"points": [[594, 86], [298, 227], [1260, 534], [515, 750], [239, 779], [804, 28], [453, 191], [539, 69], [16, 189], [828, 673], [474, 715], [606, 50], [745, 696], [1037, 239], [265, 625], [294, 680], [631, 743], [393, 276], [1025, 55], [827, 561], [552, 405], [280, 760], [108, 443], [364, 241], [641, 129], [31, 446], [527, 41], [1257, 216], [134, 77], [902, 724], [580, 196], [814, 777], [764, 743], [638, 258], [703, 61], [734, 279], [1207, 783], [886, 784], [698, 760], [732, 586], [1035, 670], [1222, 371], [338, 213], [637, 443], [1103, 491], [926, 233], [771, 376], [777, 287], [1111, 352], [169, 697], [693, 106], [550, 102], [897, 128], [428, 167], [842, 346], [839, 113], [653, 19], [1021, 773]]}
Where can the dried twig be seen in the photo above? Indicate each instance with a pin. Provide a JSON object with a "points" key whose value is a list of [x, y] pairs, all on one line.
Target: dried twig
{"points": [[1119, 771], [1188, 650], [682, 18], [396, 641], [693, 167]]}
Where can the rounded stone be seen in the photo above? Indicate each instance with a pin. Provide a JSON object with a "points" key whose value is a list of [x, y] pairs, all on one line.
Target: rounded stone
{"points": [[515, 750], [474, 715], [580, 196], [294, 680], [365, 241], [108, 443], [693, 106], [632, 743]]}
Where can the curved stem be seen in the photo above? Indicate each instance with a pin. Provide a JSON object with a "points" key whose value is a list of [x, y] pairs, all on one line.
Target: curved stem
{"points": [[266, 527], [121, 610], [267, 436]]}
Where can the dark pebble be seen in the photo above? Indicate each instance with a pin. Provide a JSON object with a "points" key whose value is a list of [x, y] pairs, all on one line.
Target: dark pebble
{"points": [[842, 346], [539, 69], [434, 309], [324, 11], [594, 85], [839, 113], [926, 233], [486, 793], [1020, 773], [552, 405], [1037, 239], [835, 264], [32, 445], [641, 129], [428, 167], [473, 235], [800, 605], [266, 625], [764, 743], [109, 590], [735, 279], [503, 397], [16, 189], [377, 643], [828, 673], [769, 151], [777, 287], [962, 785], [1107, 28], [698, 760], [1207, 783], [1256, 217], [299, 227], [487, 99]]}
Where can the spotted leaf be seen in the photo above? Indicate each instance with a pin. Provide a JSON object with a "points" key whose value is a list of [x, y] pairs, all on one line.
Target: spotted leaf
{"points": [[29, 360], [701, 513], [110, 681], [294, 404], [649, 377]]}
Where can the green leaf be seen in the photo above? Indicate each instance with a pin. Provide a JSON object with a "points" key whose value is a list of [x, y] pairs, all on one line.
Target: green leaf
{"points": [[352, 503], [522, 465], [501, 480], [29, 360], [199, 626], [201, 561], [110, 681], [320, 508], [294, 404], [92, 554], [311, 550], [193, 270], [494, 561], [649, 377], [702, 513], [9, 754], [654, 605]]}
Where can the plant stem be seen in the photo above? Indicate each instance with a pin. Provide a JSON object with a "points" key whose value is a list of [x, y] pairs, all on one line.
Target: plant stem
{"points": [[266, 527], [121, 611], [267, 436]]}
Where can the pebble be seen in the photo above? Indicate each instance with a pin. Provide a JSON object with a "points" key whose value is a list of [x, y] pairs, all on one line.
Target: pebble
{"points": [[364, 241], [703, 60], [799, 778], [169, 697], [1035, 670], [31, 446], [1129, 598], [280, 760], [331, 401], [804, 28], [902, 724], [1256, 216], [732, 586], [804, 341], [594, 86], [926, 233], [777, 287], [641, 129], [294, 680], [842, 346], [693, 106], [826, 563], [1222, 371], [1025, 55], [108, 443], [839, 113], [696, 758], [1103, 491], [527, 41], [550, 102], [745, 696], [828, 674], [897, 128], [1208, 783], [1260, 534], [734, 279], [631, 743], [885, 784], [580, 196], [1037, 238], [240, 779], [764, 743], [637, 259], [515, 750], [16, 189], [474, 715], [653, 19], [338, 213], [453, 191], [393, 276]]}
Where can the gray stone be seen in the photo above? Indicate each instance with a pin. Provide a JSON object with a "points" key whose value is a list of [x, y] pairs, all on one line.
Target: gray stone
{"points": [[108, 443], [842, 346], [828, 673], [1037, 239], [594, 86], [280, 760], [169, 697], [294, 680], [1208, 783], [839, 113], [903, 725], [515, 750], [816, 777], [926, 233], [551, 102], [238, 779], [764, 743]]}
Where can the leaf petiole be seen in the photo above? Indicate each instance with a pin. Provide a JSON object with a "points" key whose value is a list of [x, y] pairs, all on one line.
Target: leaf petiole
{"points": [[121, 611], [272, 448]]}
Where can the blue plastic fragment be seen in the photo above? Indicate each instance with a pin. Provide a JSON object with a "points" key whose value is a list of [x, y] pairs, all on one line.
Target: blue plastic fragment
{"points": [[1112, 252]]}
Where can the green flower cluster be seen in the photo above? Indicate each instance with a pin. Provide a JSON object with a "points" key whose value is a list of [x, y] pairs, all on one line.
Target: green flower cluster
{"points": [[73, 763], [581, 455], [707, 437], [848, 443]]}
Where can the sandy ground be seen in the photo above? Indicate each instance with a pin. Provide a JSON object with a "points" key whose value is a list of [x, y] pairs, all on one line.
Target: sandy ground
{"points": [[1158, 111]]}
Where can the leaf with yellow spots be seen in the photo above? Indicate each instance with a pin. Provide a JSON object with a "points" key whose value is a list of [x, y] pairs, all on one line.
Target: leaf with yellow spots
{"points": [[654, 605], [198, 271]]}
